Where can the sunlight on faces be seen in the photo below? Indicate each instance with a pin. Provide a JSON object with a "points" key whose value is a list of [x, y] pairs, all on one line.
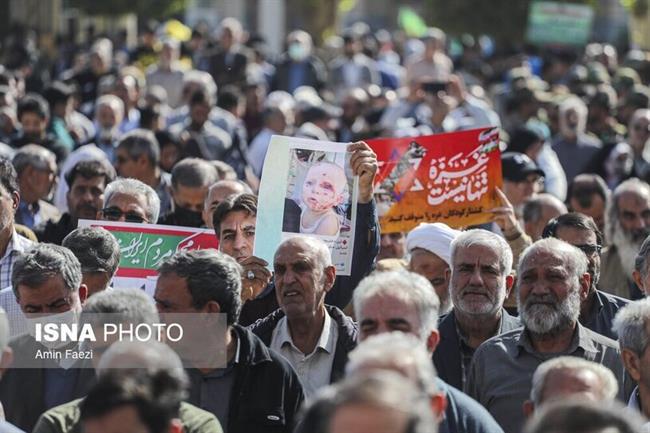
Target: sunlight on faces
{"points": [[86, 197], [216, 195], [237, 235], [547, 299], [300, 278], [33, 125], [478, 286], [324, 187], [51, 297], [387, 312], [571, 383], [128, 203], [434, 269]]}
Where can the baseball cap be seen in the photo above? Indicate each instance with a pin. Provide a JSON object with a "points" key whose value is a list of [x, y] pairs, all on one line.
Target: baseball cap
{"points": [[517, 166]]}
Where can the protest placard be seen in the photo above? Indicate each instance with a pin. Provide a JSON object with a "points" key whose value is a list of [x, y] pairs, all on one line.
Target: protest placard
{"points": [[307, 189], [448, 178], [143, 247]]}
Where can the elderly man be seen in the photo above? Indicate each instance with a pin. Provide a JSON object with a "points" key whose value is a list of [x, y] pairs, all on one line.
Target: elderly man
{"points": [[631, 324], [597, 311], [570, 377], [481, 266], [378, 402], [217, 193], [138, 156], [538, 211], [641, 274], [48, 288], [191, 179], [258, 390], [552, 280], [429, 247], [99, 254], [131, 201], [315, 338], [234, 225], [86, 181], [628, 224], [404, 301], [36, 169]]}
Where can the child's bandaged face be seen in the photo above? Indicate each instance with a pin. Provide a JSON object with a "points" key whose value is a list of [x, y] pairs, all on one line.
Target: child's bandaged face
{"points": [[323, 187]]}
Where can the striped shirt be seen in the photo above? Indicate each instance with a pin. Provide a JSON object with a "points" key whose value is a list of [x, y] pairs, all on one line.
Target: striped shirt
{"points": [[17, 245]]}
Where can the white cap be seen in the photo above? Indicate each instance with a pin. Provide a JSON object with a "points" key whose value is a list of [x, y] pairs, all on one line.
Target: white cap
{"points": [[433, 237]]}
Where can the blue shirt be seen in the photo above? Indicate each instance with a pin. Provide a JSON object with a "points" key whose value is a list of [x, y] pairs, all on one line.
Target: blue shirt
{"points": [[297, 73], [59, 386]]}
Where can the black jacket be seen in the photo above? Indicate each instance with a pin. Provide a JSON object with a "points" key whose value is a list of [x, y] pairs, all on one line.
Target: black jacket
{"points": [[347, 340], [315, 74], [447, 356], [266, 394], [366, 248], [53, 232]]}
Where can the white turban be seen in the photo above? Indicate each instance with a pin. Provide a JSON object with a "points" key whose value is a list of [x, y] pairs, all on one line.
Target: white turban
{"points": [[433, 237]]}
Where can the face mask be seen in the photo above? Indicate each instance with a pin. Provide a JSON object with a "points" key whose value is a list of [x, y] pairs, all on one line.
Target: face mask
{"points": [[188, 218], [297, 52], [66, 318]]}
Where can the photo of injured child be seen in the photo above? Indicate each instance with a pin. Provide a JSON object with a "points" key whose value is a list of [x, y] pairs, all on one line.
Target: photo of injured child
{"points": [[318, 196]]}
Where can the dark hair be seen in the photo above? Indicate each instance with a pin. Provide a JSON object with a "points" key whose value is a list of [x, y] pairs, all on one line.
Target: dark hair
{"points": [[95, 247], [8, 176], [210, 276], [90, 169], [33, 103], [200, 97], [194, 173], [522, 138], [156, 397], [166, 138], [229, 97], [57, 93], [141, 142], [148, 116], [575, 220], [240, 202], [584, 186]]}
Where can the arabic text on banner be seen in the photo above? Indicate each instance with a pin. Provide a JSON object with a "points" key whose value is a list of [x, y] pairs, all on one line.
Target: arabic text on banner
{"points": [[143, 248], [448, 178], [307, 189]]}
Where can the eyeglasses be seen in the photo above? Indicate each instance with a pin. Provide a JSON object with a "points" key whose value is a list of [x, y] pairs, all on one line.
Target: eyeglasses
{"points": [[114, 214], [589, 250]]}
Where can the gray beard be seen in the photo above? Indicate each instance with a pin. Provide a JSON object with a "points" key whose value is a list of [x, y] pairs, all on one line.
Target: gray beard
{"points": [[544, 320], [627, 250]]}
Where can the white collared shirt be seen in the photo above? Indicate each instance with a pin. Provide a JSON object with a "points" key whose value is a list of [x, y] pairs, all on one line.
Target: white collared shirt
{"points": [[314, 369], [16, 246]]}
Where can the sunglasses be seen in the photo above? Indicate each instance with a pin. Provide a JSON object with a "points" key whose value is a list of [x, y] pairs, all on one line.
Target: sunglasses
{"points": [[114, 214], [589, 249]]}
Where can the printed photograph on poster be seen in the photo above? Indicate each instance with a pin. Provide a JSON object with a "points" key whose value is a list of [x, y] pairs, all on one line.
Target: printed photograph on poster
{"points": [[317, 200], [307, 189]]}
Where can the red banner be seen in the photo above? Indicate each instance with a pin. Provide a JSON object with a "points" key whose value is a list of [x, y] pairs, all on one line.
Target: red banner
{"points": [[448, 178]]}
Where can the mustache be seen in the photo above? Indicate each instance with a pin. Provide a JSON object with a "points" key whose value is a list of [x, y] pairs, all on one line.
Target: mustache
{"points": [[548, 298]]}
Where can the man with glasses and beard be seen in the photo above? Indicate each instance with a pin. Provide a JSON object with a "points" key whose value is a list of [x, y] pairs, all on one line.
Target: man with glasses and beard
{"points": [[598, 309], [553, 279], [627, 225]]}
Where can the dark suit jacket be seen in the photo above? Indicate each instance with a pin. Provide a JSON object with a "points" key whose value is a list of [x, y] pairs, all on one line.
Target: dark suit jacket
{"points": [[234, 73], [22, 390], [447, 357]]}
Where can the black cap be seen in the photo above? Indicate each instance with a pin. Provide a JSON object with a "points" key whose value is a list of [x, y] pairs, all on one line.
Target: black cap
{"points": [[517, 166]]}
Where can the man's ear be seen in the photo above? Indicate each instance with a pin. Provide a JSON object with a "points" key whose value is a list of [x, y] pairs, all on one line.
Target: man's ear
{"points": [[329, 274], [212, 307], [636, 276], [448, 274], [83, 293], [585, 284], [15, 200], [528, 409], [438, 403], [510, 283], [432, 340], [632, 364]]}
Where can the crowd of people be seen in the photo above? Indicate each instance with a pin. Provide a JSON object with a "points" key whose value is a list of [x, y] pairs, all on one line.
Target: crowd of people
{"points": [[537, 322]]}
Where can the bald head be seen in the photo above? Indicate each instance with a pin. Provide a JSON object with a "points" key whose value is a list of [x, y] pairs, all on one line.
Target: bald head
{"points": [[217, 193]]}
